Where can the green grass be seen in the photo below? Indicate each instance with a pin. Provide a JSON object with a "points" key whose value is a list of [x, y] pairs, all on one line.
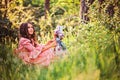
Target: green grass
{"points": [[92, 56]]}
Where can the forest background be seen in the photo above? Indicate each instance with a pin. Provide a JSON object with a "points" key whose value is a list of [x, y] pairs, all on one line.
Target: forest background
{"points": [[92, 37]]}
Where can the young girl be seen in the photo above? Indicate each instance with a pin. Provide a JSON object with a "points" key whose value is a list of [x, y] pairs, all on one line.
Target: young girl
{"points": [[30, 51]]}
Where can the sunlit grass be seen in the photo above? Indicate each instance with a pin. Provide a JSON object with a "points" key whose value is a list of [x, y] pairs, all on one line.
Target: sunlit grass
{"points": [[88, 58]]}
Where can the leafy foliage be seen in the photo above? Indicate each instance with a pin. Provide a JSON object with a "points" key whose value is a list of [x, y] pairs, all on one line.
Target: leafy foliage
{"points": [[93, 48]]}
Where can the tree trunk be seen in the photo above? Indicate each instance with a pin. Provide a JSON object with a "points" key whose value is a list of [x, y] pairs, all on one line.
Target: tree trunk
{"points": [[6, 5], [47, 7], [100, 3], [84, 10]]}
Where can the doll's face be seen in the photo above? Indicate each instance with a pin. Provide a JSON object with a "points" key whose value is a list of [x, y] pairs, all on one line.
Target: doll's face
{"points": [[30, 29]]}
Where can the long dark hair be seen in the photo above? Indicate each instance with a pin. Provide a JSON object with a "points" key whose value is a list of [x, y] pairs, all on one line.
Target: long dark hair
{"points": [[24, 32]]}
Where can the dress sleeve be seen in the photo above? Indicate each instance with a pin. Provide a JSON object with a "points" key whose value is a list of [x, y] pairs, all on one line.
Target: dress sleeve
{"points": [[33, 51]]}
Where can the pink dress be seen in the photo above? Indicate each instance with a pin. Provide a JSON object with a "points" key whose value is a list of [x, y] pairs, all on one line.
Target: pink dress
{"points": [[30, 54]]}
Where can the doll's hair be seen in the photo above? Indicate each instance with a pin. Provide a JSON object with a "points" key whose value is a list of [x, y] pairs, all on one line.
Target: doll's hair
{"points": [[58, 32]]}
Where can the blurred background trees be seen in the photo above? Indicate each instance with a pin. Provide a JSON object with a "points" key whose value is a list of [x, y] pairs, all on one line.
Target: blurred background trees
{"points": [[90, 26]]}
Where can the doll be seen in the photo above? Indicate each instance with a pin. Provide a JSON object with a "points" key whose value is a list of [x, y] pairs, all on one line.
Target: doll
{"points": [[61, 47]]}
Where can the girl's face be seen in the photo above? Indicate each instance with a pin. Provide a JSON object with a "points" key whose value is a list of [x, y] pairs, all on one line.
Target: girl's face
{"points": [[30, 29]]}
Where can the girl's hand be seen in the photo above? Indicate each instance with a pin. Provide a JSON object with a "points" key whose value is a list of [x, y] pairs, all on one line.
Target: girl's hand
{"points": [[54, 43]]}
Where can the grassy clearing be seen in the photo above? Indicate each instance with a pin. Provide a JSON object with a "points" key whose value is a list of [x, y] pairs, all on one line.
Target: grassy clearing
{"points": [[91, 56]]}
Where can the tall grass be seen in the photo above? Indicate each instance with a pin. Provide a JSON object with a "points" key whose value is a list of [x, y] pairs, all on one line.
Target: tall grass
{"points": [[91, 56]]}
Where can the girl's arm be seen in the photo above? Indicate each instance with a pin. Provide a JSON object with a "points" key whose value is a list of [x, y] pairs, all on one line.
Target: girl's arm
{"points": [[49, 45]]}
